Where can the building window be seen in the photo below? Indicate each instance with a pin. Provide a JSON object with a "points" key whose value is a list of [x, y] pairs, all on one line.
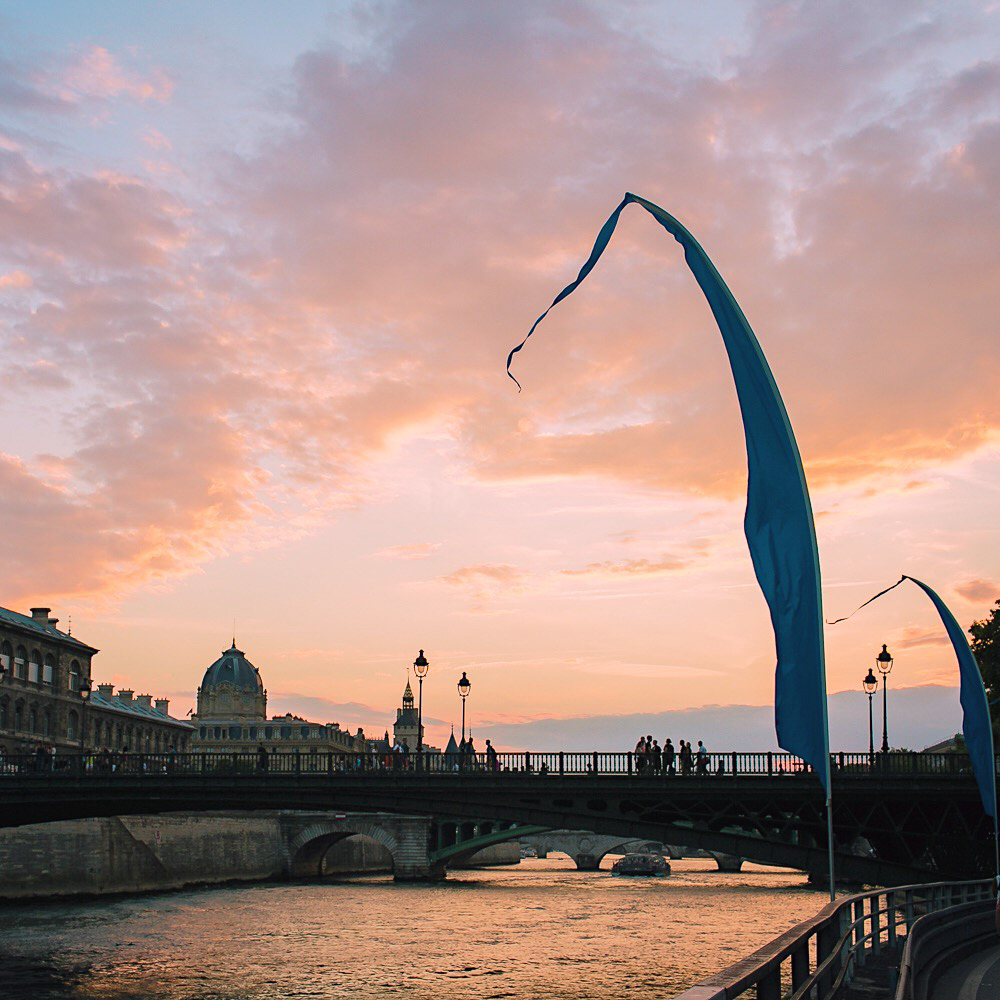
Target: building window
{"points": [[304, 731], [6, 656], [235, 732], [286, 732], [35, 667], [253, 732], [4, 712], [47, 722], [72, 726], [18, 716], [74, 675], [48, 670], [268, 732], [20, 663]]}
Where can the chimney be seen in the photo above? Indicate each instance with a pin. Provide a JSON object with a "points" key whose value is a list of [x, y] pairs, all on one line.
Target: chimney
{"points": [[106, 690], [162, 704], [144, 700], [41, 615], [126, 696]]}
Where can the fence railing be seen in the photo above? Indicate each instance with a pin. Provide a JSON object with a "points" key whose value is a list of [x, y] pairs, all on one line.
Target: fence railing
{"points": [[819, 958], [732, 764]]}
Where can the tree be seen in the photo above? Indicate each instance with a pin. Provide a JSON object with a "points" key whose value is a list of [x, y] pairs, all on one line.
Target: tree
{"points": [[986, 647]]}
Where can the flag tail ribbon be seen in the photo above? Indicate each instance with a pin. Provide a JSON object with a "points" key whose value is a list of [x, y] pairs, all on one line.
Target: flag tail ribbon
{"points": [[779, 522], [837, 621]]}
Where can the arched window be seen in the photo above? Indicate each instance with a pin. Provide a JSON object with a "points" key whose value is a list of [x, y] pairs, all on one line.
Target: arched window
{"points": [[33, 720], [20, 663], [35, 667], [47, 722], [49, 669], [4, 712], [73, 725], [18, 716], [6, 656], [74, 675]]}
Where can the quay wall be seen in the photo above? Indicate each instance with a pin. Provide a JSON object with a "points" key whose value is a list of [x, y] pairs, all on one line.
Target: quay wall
{"points": [[137, 854], [129, 854]]}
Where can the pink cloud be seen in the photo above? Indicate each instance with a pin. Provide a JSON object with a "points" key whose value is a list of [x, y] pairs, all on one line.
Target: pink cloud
{"points": [[978, 590], [98, 73]]}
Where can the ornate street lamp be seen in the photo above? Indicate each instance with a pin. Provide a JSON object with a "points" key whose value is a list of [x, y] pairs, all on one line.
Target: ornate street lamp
{"points": [[464, 687], [870, 684], [420, 668], [84, 692], [884, 663]]}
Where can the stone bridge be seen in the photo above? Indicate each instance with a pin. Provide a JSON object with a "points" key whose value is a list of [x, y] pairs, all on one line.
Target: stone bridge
{"points": [[587, 849]]}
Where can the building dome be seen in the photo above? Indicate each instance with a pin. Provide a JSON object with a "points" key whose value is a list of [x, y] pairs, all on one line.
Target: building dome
{"points": [[232, 689], [234, 670]]}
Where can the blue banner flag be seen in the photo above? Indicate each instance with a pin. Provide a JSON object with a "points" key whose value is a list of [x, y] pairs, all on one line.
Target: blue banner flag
{"points": [[976, 727], [779, 525]]}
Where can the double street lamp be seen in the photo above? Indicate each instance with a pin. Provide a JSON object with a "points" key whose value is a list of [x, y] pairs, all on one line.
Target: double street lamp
{"points": [[884, 663], [420, 668], [464, 687], [870, 684]]}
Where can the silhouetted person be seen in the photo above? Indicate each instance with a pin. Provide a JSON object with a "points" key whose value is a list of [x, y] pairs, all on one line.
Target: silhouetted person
{"points": [[263, 760]]}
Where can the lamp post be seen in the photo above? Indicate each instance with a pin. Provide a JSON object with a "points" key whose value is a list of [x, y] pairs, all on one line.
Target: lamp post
{"points": [[420, 668], [464, 687], [84, 693], [870, 684], [884, 663]]}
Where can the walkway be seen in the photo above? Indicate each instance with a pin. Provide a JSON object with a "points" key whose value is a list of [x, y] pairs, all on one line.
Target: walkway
{"points": [[975, 978]]}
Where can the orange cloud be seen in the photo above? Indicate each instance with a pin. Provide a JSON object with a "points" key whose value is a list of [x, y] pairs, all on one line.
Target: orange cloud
{"points": [[416, 550], [630, 567]]}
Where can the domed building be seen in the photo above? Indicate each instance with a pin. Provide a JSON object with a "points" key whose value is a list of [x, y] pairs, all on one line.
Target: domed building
{"points": [[232, 689], [231, 716]]}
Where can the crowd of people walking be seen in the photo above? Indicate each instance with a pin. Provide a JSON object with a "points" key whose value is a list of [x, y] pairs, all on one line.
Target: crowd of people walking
{"points": [[651, 758]]}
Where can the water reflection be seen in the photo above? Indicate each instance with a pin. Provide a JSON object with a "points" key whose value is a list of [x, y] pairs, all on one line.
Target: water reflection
{"points": [[538, 930]]}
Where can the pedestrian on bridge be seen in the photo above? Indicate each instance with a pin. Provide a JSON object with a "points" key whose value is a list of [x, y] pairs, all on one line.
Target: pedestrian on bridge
{"points": [[669, 757], [686, 757], [702, 759], [262, 758]]}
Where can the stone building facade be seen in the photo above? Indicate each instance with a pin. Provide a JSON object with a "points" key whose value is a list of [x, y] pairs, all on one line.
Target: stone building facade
{"points": [[42, 673], [47, 697], [132, 722], [232, 716]]}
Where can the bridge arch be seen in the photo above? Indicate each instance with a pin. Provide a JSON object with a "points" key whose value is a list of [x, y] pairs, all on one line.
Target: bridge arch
{"points": [[306, 850]]}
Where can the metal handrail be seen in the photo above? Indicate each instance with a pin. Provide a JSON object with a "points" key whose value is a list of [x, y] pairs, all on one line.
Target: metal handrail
{"points": [[836, 943]]}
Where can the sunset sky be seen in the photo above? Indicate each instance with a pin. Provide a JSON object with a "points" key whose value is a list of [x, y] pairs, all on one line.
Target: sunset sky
{"points": [[262, 264]]}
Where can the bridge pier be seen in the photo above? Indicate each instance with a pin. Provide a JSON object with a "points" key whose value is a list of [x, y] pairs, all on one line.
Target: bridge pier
{"points": [[727, 862]]}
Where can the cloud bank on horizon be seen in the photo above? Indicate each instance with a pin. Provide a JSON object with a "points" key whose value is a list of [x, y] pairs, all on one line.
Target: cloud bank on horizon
{"points": [[258, 282]]}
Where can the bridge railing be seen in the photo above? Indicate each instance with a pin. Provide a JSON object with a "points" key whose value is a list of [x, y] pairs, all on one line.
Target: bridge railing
{"points": [[732, 764], [820, 957]]}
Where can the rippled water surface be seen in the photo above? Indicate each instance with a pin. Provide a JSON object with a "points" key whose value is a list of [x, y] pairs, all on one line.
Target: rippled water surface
{"points": [[537, 930]]}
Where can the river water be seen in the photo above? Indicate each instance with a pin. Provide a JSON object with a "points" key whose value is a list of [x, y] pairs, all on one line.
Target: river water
{"points": [[537, 930]]}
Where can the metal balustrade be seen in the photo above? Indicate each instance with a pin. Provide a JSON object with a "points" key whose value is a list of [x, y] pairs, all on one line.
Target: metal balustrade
{"points": [[733, 764], [820, 957]]}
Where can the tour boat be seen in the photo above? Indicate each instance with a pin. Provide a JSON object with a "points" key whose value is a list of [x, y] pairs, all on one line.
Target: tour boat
{"points": [[641, 864]]}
